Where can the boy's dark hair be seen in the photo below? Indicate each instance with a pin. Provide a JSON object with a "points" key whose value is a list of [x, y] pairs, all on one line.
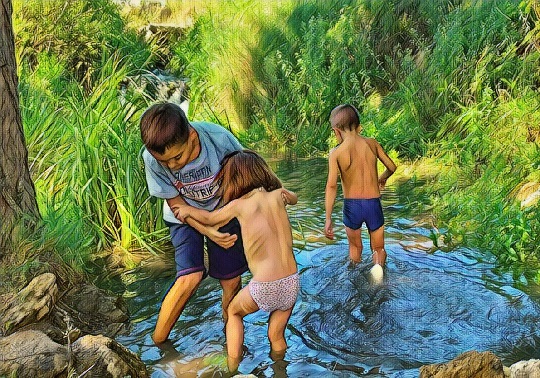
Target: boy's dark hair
{"points": [[347, 117], [162, 126], [243, 171]]}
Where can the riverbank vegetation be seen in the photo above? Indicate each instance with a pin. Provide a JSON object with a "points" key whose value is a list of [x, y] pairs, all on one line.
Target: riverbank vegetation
{"points": [[450, 87]]}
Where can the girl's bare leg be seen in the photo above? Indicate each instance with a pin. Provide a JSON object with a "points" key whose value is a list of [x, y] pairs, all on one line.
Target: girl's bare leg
{"points": [[355, 244], [241, 305], [277, 322], [230, 288]]}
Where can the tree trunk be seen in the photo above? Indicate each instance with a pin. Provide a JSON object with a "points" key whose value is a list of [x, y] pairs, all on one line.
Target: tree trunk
{"points": [[17, 193]]}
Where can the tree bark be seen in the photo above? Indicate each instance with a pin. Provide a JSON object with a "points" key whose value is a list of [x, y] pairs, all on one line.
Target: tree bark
{"points": [[17, 192]]}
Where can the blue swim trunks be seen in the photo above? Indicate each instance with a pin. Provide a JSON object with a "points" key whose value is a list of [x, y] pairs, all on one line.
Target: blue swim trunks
{"points": [[359, 210], [189, 252]]}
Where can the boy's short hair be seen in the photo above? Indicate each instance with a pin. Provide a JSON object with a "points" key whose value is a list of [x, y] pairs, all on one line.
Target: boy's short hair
{"points": [[345, 117], [163, 125]]}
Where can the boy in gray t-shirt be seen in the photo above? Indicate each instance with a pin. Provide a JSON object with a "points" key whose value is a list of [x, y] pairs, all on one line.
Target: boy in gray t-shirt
{"points": [[181, 161]]}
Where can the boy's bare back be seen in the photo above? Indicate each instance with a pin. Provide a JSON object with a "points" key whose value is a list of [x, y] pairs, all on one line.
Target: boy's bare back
{"points": [[356, 160]]}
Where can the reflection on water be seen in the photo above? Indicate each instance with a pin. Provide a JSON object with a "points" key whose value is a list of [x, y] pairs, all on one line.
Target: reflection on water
{"points": [[430, 307]]}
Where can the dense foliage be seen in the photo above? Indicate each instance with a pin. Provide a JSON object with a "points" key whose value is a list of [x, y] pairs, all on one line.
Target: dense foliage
{"points": [[451, 83]]}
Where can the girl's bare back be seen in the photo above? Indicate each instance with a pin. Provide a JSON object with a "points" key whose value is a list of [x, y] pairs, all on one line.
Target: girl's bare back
{"points": [[266, 234]]}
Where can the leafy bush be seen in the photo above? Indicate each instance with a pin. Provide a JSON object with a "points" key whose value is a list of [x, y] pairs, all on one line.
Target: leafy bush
{"points": [[453, 81], [78, 32]]}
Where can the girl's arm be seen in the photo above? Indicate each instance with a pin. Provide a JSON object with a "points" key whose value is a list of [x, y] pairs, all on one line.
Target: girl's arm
{"points": [[224, 240], [218, 217], [289, 198]]}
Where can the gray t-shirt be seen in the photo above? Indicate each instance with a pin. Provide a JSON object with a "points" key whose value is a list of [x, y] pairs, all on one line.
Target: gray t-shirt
{"points": [[195, 182]]}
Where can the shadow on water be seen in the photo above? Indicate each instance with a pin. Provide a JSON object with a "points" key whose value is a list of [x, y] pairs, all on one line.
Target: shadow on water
{"points": [[430, 307]]}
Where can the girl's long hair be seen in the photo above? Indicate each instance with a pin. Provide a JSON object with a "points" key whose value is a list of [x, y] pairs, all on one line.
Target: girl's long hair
{"points": [[243, 171]]}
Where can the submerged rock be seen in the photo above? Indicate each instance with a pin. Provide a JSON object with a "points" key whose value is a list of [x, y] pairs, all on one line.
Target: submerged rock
{"points": [[95, 310], [377, 273]]}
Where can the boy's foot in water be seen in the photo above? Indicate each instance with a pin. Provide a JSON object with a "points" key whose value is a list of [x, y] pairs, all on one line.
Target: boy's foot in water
{"points": [[377, 273]]}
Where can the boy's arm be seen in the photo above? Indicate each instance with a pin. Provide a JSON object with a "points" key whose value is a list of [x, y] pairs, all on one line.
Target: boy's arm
{"points": [[224, 240], [388, 163], [330, 194]]}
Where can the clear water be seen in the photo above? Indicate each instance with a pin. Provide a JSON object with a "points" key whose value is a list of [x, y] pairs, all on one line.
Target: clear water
{"points": [[431, 306]]}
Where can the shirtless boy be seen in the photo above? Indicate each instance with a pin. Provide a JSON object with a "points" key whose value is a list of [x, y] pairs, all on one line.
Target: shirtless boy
{"points": [[355, 160]]}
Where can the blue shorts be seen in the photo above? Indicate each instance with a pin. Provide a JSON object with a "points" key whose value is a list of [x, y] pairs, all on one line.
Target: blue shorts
{"points": [[189, 252], [359, 210]]}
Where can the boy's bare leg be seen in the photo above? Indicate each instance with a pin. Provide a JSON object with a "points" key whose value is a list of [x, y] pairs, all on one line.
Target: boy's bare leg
{"points": [[277, 355], [355, 244], [241, 305], [277, 321], [377, 246], [230, 288], [173, 304]]}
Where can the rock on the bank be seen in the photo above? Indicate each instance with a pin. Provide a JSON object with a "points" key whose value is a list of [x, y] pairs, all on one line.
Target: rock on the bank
{"points": [[525, 369], [469, 364], [100, 356], [41, 333], [32, 354], [32, 303]]}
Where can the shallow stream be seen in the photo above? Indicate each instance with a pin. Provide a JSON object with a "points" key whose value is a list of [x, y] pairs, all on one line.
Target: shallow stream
{"points": [[431, 306]]}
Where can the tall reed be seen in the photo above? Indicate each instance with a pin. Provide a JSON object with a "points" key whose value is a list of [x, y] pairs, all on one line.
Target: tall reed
{"points": [[85, 160]]}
